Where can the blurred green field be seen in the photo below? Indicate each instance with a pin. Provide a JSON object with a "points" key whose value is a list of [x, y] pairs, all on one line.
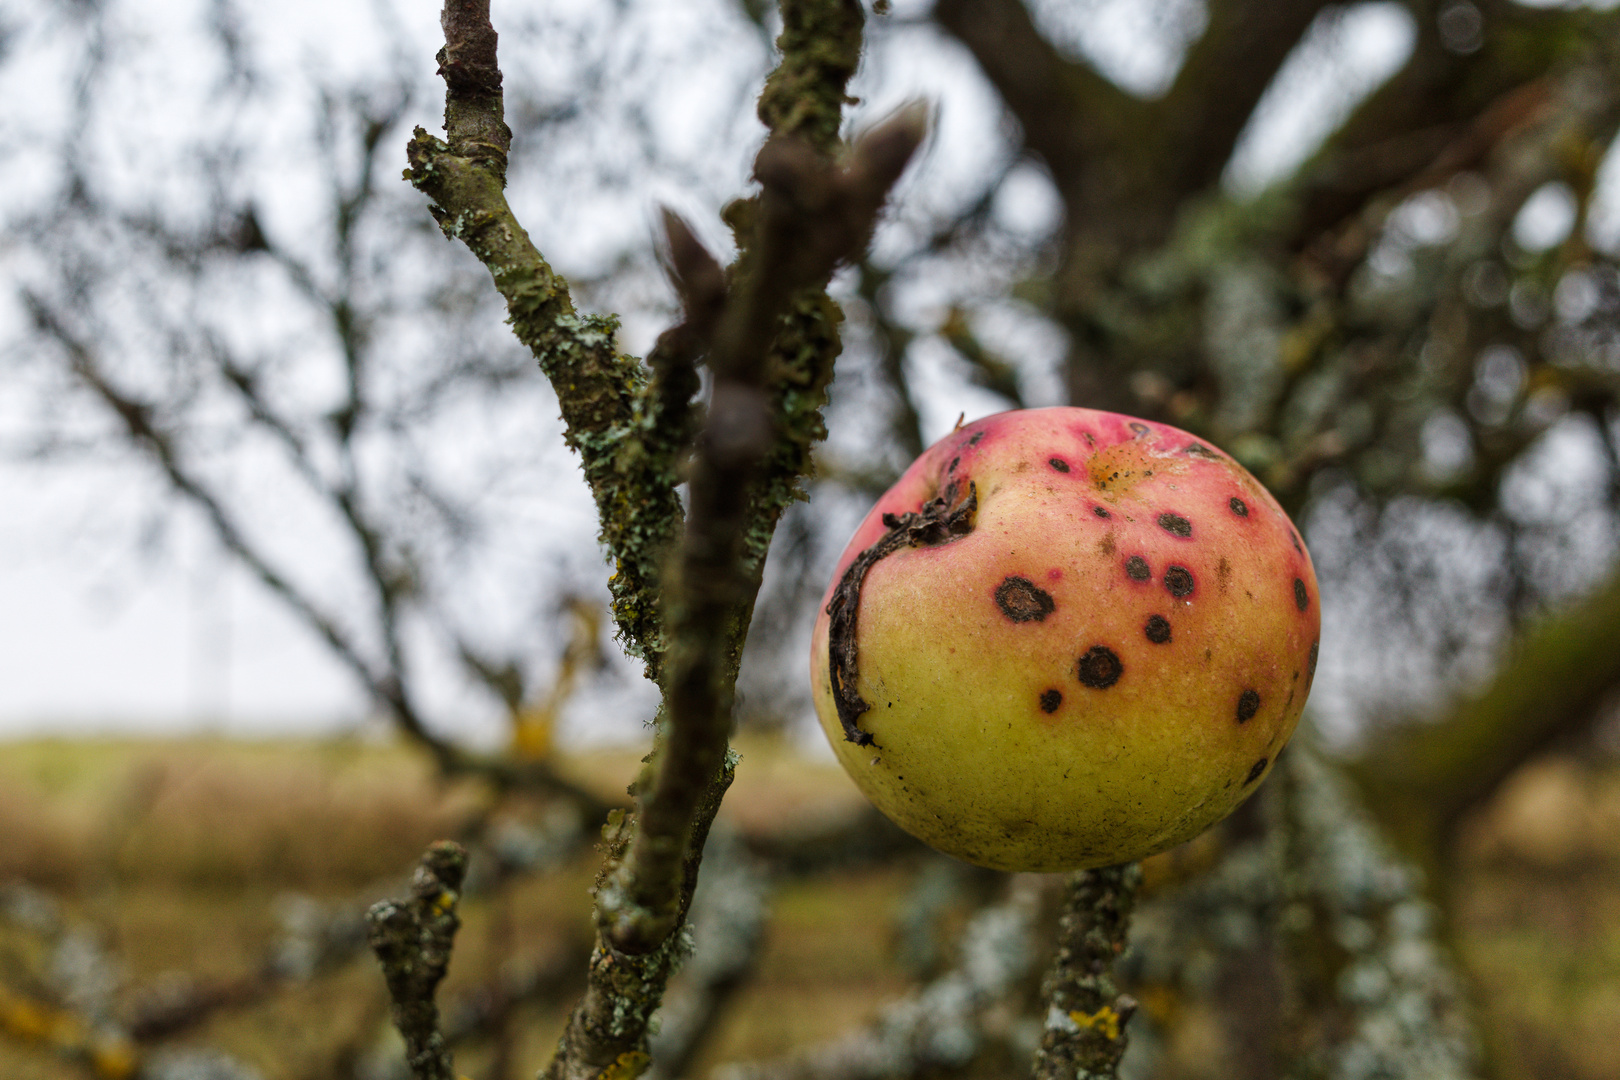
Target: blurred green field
{"points": [[188, 856]]}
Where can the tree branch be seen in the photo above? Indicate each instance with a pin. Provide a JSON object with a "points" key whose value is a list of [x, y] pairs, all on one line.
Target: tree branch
{"points": [[771, 348], [600, 391], [1068, 110], [1085, 1012], [1423, 777], [1221, 81], [1435, 98]]}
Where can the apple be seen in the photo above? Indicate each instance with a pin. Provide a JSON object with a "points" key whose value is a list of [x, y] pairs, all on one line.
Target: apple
{"points": [[1064, 639]]}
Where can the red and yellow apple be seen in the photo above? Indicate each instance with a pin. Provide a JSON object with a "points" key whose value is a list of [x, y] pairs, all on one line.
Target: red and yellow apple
{"points": [[1066, 638]]}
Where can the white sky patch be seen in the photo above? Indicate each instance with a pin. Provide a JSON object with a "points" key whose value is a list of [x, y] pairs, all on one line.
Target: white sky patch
{"points": [[1546, 217], [1347, 53], [1138, 44]]}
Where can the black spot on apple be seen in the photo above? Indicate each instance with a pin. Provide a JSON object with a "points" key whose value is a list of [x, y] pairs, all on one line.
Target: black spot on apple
{"points": [[1254, 773], [1239, 507], [1140, 428], [977, 435], [1051, 700], [1302, 599], [1136, 568], [1310, 672], [955, 461], [1100, 512], [1200, 450], [1021, 600], [1099, 668], [1175, 524], [1294, 539], [1058, 463], [1179, 580], [1248, 705], [1157, 629]]}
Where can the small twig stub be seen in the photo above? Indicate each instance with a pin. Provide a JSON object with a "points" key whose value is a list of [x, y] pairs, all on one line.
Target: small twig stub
{"points": [[412, 939]]}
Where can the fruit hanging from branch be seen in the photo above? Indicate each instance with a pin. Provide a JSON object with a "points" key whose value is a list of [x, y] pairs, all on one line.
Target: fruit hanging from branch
{"points": [[1066, 638]]}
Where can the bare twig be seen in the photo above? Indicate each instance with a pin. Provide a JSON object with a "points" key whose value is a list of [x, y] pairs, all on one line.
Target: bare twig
{"points": [[386, 680], [412, 940]]}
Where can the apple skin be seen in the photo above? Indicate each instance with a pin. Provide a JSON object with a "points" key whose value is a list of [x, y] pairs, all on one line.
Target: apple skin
{"points": [[1107, 663]]}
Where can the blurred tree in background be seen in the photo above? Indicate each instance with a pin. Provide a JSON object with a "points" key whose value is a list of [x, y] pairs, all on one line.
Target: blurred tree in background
{"points": [[1409, 329]]}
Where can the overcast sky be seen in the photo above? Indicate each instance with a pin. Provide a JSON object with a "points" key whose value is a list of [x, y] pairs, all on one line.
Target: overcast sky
{"points": [[99, 637]]}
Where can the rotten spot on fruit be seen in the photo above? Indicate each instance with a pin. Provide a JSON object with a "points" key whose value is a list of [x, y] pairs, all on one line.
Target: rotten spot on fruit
{"points": [[1058, 463], [1179, 580], [1157, 629], [1248, 704], [1294, 539], [1310, 672], [1021, 600], [1050, 701], [1100, 512], [1200, 450], [1140, 428], [1302, 599], [940, 521], [1175, 524], [1099, 668], [1136, 568], [1239, 507], [1254, 773], [955, 461]]}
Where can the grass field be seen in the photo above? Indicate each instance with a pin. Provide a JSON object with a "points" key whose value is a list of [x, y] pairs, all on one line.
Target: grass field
{"points": [[178, 864]]}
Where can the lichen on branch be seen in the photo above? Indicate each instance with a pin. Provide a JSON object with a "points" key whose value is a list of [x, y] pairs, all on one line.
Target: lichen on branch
{"points": [[1085, 1012]]}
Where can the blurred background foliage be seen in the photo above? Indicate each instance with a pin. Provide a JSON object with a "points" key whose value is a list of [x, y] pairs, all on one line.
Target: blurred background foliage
{"points": [[1369, 249]]}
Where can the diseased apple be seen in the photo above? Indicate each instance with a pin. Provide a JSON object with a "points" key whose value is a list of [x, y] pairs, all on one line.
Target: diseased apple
{"points": [[1066, 638]]}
